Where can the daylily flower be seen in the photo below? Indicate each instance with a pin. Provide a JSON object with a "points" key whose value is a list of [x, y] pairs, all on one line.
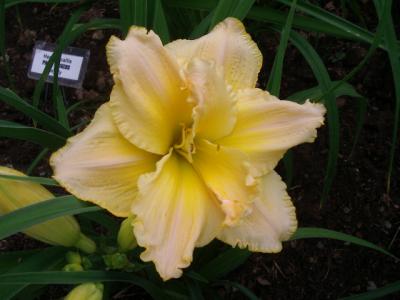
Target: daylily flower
{"points": [[188, 145], [64, 231]]}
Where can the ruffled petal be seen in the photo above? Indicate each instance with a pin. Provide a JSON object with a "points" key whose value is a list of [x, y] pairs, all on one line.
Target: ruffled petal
{"points": [[215, 114], [267, 127], [99, 165], [175, 212], [223, 170], [232, 49], [273, 219], [149, 101]]}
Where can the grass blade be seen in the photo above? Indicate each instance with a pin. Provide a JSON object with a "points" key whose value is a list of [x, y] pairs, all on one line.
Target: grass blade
{"points": [[336, 21], [41, 137], [274, 16], [242, 9], [132, 12], [274, 82], [227, 8], [394, 55], [44, 260], [339, 88], [224, 263], [61, 109], [322, 76], [223, 10], [36, 161], [9, 260], [275, 79], [39, 180], [313, 232], [160, 24], [202, 27], [28, 216], [9, 97], [55, 277]]}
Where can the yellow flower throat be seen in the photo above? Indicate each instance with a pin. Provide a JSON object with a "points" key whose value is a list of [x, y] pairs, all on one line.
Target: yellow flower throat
{"points": [[187, 146]]}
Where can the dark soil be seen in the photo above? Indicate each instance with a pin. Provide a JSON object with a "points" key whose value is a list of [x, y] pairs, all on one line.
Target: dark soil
{"points": [[358, 203]]}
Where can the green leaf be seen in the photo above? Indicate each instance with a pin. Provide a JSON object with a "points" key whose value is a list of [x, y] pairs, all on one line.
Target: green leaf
{"points": [[39, 180], [9, 97], [54, 277], [338, 88], [202, 27], [28, 216], [392, 45], [195, 292], [336, 21], [61, 110], [322, 76], [228, 8], [312, 232], [274, 16], [160, 24], [378, 293], [36, 161], [44, 138], [43, 260], [9, 260], [274, 82], [344, 89], [133, 12], [242, 8], [224, 263]]}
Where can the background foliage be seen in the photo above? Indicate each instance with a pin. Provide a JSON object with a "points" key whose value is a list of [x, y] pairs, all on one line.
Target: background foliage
{"points": [[293, 21]]}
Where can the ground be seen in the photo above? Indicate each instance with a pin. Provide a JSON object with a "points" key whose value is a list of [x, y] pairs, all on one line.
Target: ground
{"points": [[358, 203]]}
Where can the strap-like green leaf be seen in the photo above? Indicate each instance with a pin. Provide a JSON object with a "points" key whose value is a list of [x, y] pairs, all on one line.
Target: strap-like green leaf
{"points": [[9, 97], [81, 277], [312, 232], [39, 180], [28, 216], [224, 263], [44, 138], [392, 44], [43, 260]]}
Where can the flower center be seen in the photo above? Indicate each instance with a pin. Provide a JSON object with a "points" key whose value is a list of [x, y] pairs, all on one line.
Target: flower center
{"points": [[187, 146]]}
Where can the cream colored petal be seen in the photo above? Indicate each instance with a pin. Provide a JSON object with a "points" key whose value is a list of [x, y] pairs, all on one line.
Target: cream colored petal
{"points": [[175, 212], [267, 127], [215, 114], [224, 172], [149, 100], [272, 220], [99, 165], [230, 46]]}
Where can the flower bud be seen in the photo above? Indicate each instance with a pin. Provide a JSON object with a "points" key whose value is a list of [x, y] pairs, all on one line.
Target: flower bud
{"points": [[64, 231], [126, 238], [73, 258], [73, 268], [86, 291]]}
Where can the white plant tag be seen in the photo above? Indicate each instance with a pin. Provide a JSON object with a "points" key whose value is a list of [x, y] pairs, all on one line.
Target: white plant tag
{"points": [[73, 64]]}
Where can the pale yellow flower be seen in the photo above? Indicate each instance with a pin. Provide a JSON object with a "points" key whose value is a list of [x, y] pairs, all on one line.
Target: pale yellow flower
{"points": [[188, 145], [64, 231]]}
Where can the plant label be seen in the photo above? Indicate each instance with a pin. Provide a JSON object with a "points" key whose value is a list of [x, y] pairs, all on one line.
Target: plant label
{"points": [[72, 68]]}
